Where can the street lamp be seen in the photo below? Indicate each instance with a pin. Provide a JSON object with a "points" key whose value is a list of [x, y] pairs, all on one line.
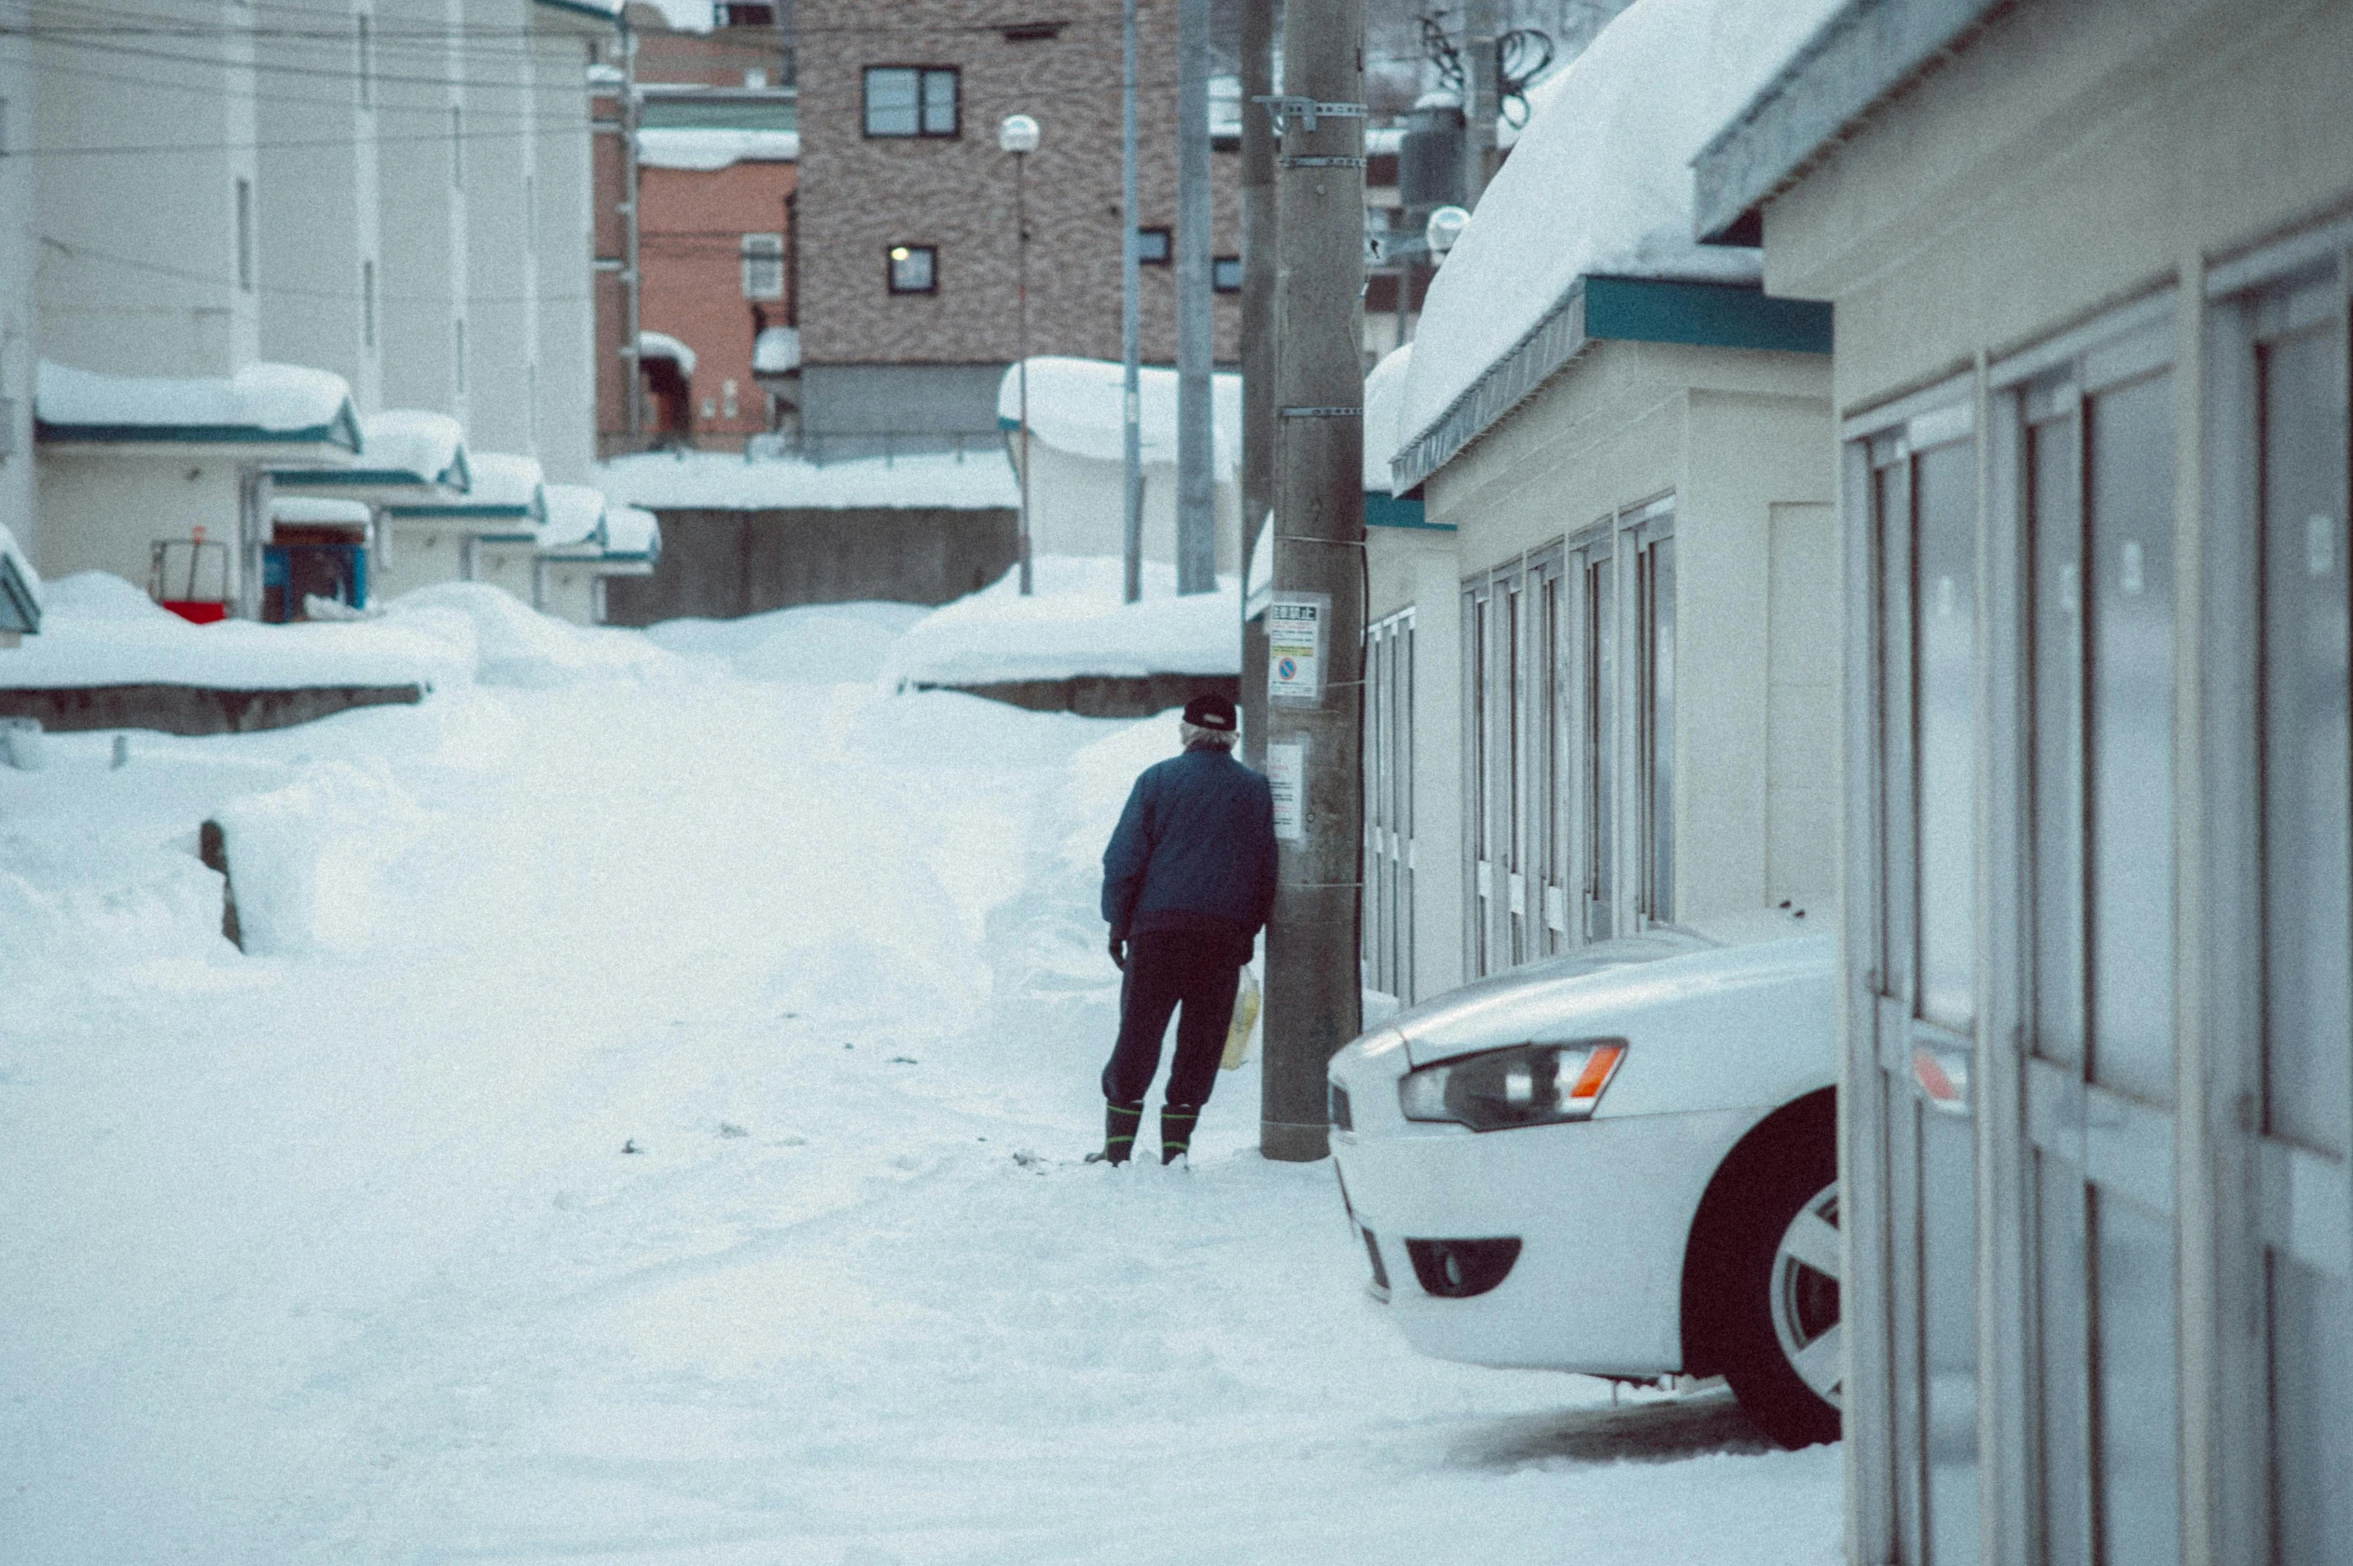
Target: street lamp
{"points": [[1444, 228], [1019, 136]]}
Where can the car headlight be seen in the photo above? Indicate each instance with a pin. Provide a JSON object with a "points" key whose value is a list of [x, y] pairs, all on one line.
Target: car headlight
{"points": [[1527, 1085]]}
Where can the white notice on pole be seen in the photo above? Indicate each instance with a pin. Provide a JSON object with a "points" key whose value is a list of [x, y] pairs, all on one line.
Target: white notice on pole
{"points": [[1295, 648], [1286, 771]]}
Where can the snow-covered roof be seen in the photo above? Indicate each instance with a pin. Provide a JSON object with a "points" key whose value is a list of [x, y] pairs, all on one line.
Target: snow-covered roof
{"points": [[603, 10], [632, 533], [271, 403], [416, 443], [1074, 406], [1074, 623], [1380, 139], [777, 350], [505, 478], [707, 147], [575, 518], [318, 511], [716, 481], [1384, 405], [1600, 183], [20, 587], [661, 345]]}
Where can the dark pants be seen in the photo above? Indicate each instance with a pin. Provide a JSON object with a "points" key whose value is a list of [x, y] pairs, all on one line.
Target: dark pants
{"points": [[1166, 970]]}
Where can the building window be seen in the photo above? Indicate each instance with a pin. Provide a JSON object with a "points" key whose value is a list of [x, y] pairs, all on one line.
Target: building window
{"points": [[1656, 567], [1153, 246], [364, 49], [245, 236], [1387, 924], [458, 347], [367, 303], [457, 146], [914, 269], [1225, 274], [763, 266], [912, 100]]}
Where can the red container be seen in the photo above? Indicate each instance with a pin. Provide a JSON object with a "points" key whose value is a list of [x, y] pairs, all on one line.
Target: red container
{"points": [[197, 611]]}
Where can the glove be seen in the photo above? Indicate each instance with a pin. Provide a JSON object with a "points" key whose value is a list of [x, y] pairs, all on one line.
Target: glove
{"points": [[1119, 954]]}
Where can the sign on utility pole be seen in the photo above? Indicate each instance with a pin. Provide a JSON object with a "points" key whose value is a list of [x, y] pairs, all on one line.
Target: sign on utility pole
{"points": [[1315, 624], [1196, 492], [1258, 345]]}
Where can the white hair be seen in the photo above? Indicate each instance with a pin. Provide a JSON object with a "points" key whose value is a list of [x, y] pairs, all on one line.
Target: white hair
{"points": [[1193, 734]]}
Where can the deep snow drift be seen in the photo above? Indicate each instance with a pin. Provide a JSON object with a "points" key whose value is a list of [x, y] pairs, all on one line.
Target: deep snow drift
{"points": [[338, 1250]]}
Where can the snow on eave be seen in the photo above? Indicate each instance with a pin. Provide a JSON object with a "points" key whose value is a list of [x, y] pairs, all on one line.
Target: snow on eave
{"points": [[707, 148], [1599, 185], [632, 534], [20, 588], [1384, 401], [262, 404], [319, 511], [1074, 407], [661, 345], [714, 481], [502, 487], [576, 516], [776, 350]]}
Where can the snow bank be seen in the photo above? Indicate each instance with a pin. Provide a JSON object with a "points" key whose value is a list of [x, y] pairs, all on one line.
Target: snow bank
{"points": [[1074, 406], [823, 644], [661, 345], [777, 350], [1600, 182], [96, 895], [274, 397], [706, 148], [305, 860], [513, 644], [700, 481], [1074, 624], [98, 629], [1384, 410]]}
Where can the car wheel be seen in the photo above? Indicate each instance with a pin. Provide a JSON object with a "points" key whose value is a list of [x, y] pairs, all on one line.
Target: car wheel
{"points": [[1784, 1356]]}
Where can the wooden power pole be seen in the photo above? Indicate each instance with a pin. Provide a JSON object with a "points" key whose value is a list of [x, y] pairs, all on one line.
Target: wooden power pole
{"points": [[1258, 345], [1315, 625]]}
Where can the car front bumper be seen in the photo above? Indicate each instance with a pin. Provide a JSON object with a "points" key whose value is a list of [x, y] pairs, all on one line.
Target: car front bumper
{"points": [[1602, 1208]]}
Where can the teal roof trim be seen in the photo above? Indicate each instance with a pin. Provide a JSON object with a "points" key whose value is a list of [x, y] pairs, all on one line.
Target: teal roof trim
{"points": [[1621, 309], [343, 431], [1395, 511], [20, 611], [459, 511]]}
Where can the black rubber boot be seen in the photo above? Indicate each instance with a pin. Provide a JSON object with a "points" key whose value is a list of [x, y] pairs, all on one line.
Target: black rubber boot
{"points": [[1120, 1124], [1176, 1131]]}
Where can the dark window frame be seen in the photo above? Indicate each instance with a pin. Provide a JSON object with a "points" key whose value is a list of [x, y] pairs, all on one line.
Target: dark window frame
{"points": [[921, 132], [1219, 271], [890, 274], [1167, 256]]}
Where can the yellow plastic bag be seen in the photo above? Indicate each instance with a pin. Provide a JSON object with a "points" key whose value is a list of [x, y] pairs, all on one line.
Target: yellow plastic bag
{"points": [[1244, 1031]]}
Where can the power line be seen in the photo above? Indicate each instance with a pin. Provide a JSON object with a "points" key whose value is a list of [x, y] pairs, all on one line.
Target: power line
{"points": [[333, 295]]}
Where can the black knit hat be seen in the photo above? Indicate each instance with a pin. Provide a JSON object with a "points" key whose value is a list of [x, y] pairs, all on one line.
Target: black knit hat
{"points": [[1209, 710]]}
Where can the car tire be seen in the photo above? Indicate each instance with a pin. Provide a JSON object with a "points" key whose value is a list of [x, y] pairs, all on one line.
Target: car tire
{"points": [[1781, 1334]]}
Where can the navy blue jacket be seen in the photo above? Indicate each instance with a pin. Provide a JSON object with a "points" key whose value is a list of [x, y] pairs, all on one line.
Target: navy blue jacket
{"points": [[1197, 839]]}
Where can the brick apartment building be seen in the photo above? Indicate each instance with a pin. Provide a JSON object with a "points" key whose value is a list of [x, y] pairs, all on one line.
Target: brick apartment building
{"points": [[716, 184], [905, 214]]}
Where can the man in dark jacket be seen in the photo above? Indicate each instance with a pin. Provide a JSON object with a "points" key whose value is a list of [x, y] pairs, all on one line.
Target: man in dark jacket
{"points": [[1188, 882]]}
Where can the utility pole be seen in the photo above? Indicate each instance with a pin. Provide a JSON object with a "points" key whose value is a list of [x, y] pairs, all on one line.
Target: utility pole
{"points": [[1258, 344], [1131, 434], [1315, 625], [1196, 540], [631, 277], [1482, 80]]}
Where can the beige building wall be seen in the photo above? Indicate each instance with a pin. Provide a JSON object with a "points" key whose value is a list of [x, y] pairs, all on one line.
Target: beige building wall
{"points": [[1742, 443], [105, 508]]}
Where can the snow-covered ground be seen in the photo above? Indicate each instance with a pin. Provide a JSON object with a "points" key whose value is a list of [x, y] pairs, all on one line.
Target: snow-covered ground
{"points": [[338, 1250]]}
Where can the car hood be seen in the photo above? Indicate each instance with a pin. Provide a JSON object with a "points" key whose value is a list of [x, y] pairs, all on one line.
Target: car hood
{"points": [[1659, 982]]}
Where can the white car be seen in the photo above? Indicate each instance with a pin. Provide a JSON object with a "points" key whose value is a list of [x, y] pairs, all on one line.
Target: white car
{"points": [[1622, 1162]]}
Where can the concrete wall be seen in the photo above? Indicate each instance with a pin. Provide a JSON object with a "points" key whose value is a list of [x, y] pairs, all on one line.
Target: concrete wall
{"points": [[1419, 570], [19, 322], [423, 219], [1075, 507], [105, 510], [421, 553], [721, 564], [564, 434]]}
